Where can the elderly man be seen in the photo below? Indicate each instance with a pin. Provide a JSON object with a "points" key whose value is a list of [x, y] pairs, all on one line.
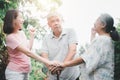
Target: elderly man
{"points": [[60, 45]]}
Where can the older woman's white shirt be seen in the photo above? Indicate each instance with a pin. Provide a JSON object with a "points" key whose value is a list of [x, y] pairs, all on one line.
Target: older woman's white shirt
{"points": [[99, 60]]}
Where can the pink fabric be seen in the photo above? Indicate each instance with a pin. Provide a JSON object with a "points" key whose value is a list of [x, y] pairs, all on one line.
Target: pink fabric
{"points": [[18, 61]]}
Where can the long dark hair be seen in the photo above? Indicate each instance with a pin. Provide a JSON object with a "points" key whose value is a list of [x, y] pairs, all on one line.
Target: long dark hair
{"points": [[8, 21], [108, 21]]}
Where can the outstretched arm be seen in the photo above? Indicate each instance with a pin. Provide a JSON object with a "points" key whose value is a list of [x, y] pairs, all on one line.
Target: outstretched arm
{"points": [[45, 55], [70, 63], [29, 53], [73, 62]]}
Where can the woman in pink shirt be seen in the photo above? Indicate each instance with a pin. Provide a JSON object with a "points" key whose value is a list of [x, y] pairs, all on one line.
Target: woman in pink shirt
{"points": [[18, 47]]}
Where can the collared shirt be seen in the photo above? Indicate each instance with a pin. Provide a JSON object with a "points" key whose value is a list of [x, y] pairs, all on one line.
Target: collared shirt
{"points": [[99, 60], [57, 49]]}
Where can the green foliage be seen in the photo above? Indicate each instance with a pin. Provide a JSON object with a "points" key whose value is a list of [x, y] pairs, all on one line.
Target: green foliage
{"points": [[3, 57], [117, 56], [4, 6], [117, 61], [7, 4], [36, 73], [40, 30], [118, 27]]}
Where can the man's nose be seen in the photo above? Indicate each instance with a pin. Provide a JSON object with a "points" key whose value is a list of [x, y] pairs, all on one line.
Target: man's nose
{"points": [[56, 22]]}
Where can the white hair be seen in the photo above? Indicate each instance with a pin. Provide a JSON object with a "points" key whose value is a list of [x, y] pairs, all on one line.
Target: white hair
{"points": [[51, 14]]}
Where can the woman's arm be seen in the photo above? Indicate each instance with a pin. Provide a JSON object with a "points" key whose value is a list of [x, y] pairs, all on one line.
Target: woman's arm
{"points": [[32, 35], [60, 66], [29, 53]]}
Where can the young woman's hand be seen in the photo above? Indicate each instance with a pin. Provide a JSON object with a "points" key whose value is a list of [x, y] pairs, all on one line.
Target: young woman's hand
{"points": [[31, 31]]}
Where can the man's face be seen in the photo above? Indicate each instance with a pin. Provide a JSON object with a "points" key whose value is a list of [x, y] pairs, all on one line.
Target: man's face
{"points": [[54, 23]]}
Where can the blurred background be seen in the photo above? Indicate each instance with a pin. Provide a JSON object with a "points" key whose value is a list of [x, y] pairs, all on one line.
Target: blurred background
{"points": [[77, 14]]}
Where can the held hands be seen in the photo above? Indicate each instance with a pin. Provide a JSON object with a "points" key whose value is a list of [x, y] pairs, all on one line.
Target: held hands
{"points": [[56, 67]]}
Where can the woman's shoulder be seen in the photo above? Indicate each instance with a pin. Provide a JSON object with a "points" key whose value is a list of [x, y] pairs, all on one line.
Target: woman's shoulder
{"points": [[102, 39], [10, 35], [14, 35]]}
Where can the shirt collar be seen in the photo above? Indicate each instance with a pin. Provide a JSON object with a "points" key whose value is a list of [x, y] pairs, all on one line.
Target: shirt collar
{"points": [[61, 35]]}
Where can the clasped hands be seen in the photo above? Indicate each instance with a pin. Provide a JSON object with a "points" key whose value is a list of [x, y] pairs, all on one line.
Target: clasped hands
{"points": [[56, 67]]}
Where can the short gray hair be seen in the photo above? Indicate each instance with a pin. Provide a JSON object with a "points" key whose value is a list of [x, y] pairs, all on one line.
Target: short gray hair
{"points": [[51, 14]]}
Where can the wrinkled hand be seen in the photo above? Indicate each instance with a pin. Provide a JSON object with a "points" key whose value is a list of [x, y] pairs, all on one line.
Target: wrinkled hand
{"points": [[56, 67]]}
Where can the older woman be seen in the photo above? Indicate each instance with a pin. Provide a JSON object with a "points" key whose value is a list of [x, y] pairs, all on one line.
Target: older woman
{"points": [[98, 60]]}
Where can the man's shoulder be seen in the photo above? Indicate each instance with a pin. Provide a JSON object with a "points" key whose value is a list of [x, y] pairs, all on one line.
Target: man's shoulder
{"points": [[68, 30]]}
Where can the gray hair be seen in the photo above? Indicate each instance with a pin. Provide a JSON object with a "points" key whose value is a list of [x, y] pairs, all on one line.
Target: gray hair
{"points": [[108, 21], [51, 14]]}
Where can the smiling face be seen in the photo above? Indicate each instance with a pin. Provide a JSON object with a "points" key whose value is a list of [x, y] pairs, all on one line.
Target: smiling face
{"points": [[99, 26], [104, 24], [18, 22], [13, 21]]}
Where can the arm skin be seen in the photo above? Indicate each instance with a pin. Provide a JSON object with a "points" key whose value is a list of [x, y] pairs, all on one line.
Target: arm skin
{"points": [[44, 55], [70, 55], [32, 35], [71, 52], [73, 62], [63, 65], [27, 52], [31, 42]]}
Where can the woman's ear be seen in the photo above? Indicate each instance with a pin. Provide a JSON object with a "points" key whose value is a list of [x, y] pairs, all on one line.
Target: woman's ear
{"points": [[103, 26]]}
